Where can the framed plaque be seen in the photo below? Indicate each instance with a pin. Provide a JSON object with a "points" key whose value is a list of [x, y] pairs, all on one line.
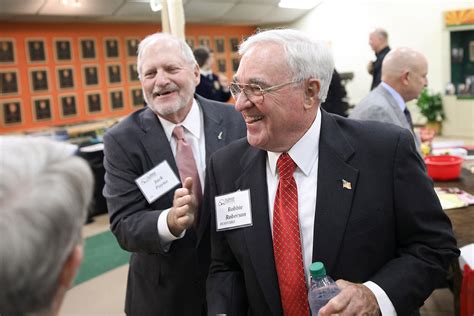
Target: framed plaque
{"points": [[219, 44], [205, 41], [90, 75], [36, 50], [87, 47], [116, 99], [12, 112], [65, 77], [221, 65], [94, 102], [136, 95], [114, 73], [7, 51], [235, 64], [9, 82], [111, 48], [39, 80], [68, 105], [234, 44], [42, 109], [132, 72], [132, 46], [63, 50]]}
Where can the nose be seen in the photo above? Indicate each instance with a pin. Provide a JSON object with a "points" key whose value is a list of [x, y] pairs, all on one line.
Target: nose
{"points": [[242, 103], [161, 79]]}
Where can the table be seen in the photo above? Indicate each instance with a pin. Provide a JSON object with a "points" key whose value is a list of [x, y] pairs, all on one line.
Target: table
{"points": [[463, 227]]}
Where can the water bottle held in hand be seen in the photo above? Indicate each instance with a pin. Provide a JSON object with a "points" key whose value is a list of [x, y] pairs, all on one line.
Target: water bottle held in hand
{"points": [[322, 287]]}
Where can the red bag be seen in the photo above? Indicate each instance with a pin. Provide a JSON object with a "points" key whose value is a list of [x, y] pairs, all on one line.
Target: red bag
{"points": [[467, 292]]}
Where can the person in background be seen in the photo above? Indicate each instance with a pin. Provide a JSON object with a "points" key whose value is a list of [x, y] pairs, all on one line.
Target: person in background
{"points": [[164, 227], [404, 76], [211, 86], [335, 100], [307, 185], [44, 195], [378, 41]]}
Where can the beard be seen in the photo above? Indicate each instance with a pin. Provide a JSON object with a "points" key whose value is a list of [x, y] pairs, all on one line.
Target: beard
{"points": [[168, 107]]}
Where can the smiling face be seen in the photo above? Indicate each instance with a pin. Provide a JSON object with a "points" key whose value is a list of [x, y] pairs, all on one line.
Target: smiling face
{"points": [[282, 118], [168, 80]]}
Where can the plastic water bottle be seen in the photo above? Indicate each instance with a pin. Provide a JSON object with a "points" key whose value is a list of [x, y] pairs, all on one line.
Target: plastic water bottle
{"points": [[322, 287]]}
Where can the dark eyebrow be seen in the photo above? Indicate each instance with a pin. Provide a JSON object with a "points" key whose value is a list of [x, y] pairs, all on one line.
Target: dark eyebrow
{"points": [[256, 81]]}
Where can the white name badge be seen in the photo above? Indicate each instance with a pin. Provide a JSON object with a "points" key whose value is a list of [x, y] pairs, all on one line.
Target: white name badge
{"points": [[157, 181], [233, 210]]}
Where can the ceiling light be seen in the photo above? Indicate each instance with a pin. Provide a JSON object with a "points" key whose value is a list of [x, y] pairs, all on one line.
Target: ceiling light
{"points": [[156, 5], [71, 3], [298, 4]]}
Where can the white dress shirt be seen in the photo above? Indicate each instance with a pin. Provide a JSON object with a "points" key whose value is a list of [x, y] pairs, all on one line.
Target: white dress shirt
{"points": [[305, 153], [194, 135]]}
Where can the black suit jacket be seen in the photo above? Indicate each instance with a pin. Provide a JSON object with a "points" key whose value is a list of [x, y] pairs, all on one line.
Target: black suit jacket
{"points": [[159, 282], [211, 88], [388, 228]]}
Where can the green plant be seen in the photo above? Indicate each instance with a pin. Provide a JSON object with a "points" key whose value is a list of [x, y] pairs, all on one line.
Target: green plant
{"points": [[431, 106]]}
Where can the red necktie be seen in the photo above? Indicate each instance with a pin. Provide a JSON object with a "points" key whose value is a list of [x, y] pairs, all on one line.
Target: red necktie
{"points": [[287, 242], [186, 163]]}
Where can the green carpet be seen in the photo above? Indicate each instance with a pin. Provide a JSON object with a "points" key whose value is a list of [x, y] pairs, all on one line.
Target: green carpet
{"points": [[101, 254]]}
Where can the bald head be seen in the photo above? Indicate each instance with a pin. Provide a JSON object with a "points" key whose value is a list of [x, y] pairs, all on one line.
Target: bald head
{"points": [[405, 70]]}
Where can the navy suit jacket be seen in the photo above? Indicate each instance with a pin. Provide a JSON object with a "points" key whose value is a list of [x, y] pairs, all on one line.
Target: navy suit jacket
{"points": [[388, 228], [159, 282], [210, 88]]}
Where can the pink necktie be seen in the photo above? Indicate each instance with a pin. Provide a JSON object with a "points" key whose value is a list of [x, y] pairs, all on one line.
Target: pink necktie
{"points": [[287, 242], [186, 163]]}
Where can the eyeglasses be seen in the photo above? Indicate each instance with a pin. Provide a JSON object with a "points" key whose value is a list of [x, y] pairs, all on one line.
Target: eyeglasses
{"points": [[253, 92]]}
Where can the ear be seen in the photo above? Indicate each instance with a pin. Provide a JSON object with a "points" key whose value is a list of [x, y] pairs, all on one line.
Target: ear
{"points": [[311, 92], [404, 77], [71, 266], [197, 74]]}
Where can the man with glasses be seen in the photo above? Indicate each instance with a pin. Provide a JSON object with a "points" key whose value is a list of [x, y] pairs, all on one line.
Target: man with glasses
{"points": [[310, 186], [154, 161]]}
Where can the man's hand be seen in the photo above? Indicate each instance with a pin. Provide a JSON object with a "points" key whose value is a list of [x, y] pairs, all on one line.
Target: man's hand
{"points": [[181, 215], [354, 299]]}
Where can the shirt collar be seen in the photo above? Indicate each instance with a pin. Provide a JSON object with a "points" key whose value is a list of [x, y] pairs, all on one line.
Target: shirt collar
{"points": [[206, 73], [395, 95], [192, 122], [305, 152]]}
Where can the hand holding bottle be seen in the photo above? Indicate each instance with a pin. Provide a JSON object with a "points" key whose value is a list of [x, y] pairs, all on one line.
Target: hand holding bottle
{"points": [[354, 299]]}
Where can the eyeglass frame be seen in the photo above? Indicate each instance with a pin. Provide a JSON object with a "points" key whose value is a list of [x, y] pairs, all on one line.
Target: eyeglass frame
{"points": [[255, 85]]}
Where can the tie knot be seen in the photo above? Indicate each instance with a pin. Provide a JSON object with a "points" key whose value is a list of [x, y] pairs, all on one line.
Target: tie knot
{"points": [[286, 166], [178, 132]]}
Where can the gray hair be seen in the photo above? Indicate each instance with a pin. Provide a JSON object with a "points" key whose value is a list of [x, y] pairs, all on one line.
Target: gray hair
{"points": [[381, 33], [152, 39], [306, 57], [44, 195]]}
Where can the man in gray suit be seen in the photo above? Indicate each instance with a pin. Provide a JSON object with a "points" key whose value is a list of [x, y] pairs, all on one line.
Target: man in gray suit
{"points": [[162, 224], [404, 72]]}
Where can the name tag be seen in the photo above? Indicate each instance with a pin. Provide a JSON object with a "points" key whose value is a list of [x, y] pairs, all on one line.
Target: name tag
{"points": [[233, 210], [157, 181]]}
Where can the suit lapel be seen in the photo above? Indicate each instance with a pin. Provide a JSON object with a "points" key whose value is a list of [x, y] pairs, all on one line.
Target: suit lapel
{"points": [[337, 182], [259, 237], [156, 144], [214, 131]]}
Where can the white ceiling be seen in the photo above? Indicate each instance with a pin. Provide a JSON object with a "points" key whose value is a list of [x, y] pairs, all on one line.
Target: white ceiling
{"points": [[240, 12]]}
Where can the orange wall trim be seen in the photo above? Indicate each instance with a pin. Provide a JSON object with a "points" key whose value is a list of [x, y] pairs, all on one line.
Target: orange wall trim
{"points": [[18, 58]]}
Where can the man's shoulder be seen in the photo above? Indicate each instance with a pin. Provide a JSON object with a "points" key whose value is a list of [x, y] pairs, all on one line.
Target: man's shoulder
{"points": [[129, 126], [374, 101]]}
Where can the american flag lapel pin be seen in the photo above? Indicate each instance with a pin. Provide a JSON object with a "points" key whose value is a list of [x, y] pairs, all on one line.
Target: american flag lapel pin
{"points": [[346, 185]]}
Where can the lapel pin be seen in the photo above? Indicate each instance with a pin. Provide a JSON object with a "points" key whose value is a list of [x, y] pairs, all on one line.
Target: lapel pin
{"points": [[219, 136], [346, 185]]}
